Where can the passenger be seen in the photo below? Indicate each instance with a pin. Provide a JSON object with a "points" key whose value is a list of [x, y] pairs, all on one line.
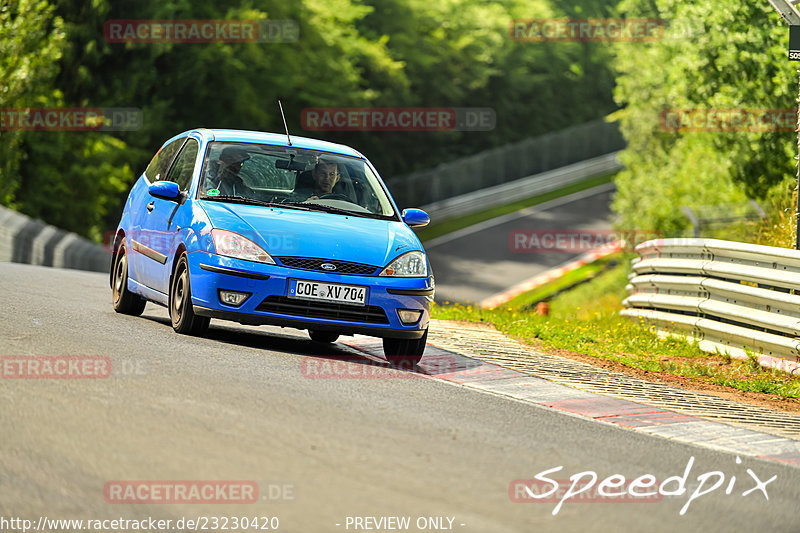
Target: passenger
{"points": [[229, 183]]}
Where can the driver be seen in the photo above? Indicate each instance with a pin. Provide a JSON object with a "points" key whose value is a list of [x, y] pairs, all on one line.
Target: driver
{"points": [[326, 176], [229, 183]]}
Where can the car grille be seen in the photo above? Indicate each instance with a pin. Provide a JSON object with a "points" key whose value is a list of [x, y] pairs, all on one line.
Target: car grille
{"points": [[371, 314], [342, 267]]}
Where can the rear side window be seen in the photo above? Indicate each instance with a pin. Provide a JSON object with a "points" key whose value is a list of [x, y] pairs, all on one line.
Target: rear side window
{"points": [[157, 169], [181, 171]]}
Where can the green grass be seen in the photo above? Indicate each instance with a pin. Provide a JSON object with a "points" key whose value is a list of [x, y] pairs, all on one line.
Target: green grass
{"points": [[454, 224], [586, 320], [547, 290]]}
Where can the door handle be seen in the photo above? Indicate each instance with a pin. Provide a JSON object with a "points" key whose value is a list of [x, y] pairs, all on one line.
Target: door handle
{"points": [[151, 206]]}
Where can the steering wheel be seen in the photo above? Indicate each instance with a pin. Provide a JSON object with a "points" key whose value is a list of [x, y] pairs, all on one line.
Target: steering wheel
{"points": [[336, 196]]}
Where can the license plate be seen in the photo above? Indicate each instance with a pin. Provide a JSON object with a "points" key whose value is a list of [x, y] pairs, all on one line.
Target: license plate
{"points": [[329, 292]]}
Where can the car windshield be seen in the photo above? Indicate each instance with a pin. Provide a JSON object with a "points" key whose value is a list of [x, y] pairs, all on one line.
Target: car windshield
{"points": [[293, 177]]}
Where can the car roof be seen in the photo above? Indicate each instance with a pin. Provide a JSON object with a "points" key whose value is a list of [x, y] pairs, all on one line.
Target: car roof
{"points": [[278, 139]]}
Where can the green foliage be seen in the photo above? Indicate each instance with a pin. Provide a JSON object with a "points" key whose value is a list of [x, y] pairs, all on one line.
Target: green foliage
{"points": [[73, 180], [735, 57], [31, 41], [69, 179], [350, 53]]}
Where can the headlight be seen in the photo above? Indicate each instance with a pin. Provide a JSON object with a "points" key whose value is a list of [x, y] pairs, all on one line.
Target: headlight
{"points": [[234, 245], [410, 265]]}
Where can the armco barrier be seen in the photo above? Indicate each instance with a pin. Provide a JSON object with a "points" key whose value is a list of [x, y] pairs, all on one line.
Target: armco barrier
{"points": [[24, 240], [732, 297], [504, 164], [512, 191]]}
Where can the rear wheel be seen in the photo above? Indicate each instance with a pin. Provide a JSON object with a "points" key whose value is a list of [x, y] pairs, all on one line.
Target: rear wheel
{"points": [[322, 336], [405, 352], [181, 312], [124, 301]]}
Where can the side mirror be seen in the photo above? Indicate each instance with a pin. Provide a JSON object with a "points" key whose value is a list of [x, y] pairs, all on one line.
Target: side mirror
{"points": [[166, 190], [416, 218]]}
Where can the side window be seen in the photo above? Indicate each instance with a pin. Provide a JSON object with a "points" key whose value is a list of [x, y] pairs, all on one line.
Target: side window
{"points": [[157, 169], [181, 171]]}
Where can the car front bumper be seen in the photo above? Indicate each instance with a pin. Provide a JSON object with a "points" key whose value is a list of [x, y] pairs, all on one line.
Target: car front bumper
{"points": [[268, 303]]}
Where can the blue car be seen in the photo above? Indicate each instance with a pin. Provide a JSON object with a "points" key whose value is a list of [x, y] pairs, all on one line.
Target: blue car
{"points": [[260, 228]]}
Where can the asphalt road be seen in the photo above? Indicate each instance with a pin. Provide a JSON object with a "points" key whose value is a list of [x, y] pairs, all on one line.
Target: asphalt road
{"points": [[478, 262], [238, 405]]}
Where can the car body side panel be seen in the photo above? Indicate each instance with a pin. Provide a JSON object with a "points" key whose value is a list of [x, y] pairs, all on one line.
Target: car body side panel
{"points": [[139, 198], [157, 232], [160, 230]]}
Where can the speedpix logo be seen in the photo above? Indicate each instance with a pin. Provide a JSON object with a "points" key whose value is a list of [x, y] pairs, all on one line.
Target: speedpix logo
{"points": [[585, 487]]}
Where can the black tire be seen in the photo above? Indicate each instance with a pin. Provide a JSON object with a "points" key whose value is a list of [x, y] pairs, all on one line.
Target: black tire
{"points": [[405, 352], [181, 312], [322, 336], [123, 300]]}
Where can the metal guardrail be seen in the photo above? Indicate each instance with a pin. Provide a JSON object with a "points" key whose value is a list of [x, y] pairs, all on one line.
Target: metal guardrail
{"points": [[25, 240], [507, 193], [503, 164], [732, 297]]}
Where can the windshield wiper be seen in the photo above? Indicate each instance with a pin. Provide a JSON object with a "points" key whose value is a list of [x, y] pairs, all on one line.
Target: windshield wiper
{"points": [[336, 210], [253, 201], [340, 211]]}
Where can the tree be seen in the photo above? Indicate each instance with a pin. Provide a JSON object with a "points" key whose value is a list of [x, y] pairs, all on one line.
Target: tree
{"points": [[350, 53], [31, 40], [734, 58]]}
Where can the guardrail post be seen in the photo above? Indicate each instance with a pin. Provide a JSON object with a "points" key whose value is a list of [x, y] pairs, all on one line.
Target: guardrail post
{"points": [[693, 219]]}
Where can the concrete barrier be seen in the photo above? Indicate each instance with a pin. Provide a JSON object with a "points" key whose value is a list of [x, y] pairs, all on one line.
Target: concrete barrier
{"points": [[25, 240]]}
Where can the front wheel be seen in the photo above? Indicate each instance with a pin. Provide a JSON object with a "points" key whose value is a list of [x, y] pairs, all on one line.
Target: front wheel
{"points": [[405, 352], [124, 301], [181, 312]]}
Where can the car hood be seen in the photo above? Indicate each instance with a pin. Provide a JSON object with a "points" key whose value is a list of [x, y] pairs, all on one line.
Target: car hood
{"points": [[291, 232]]}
